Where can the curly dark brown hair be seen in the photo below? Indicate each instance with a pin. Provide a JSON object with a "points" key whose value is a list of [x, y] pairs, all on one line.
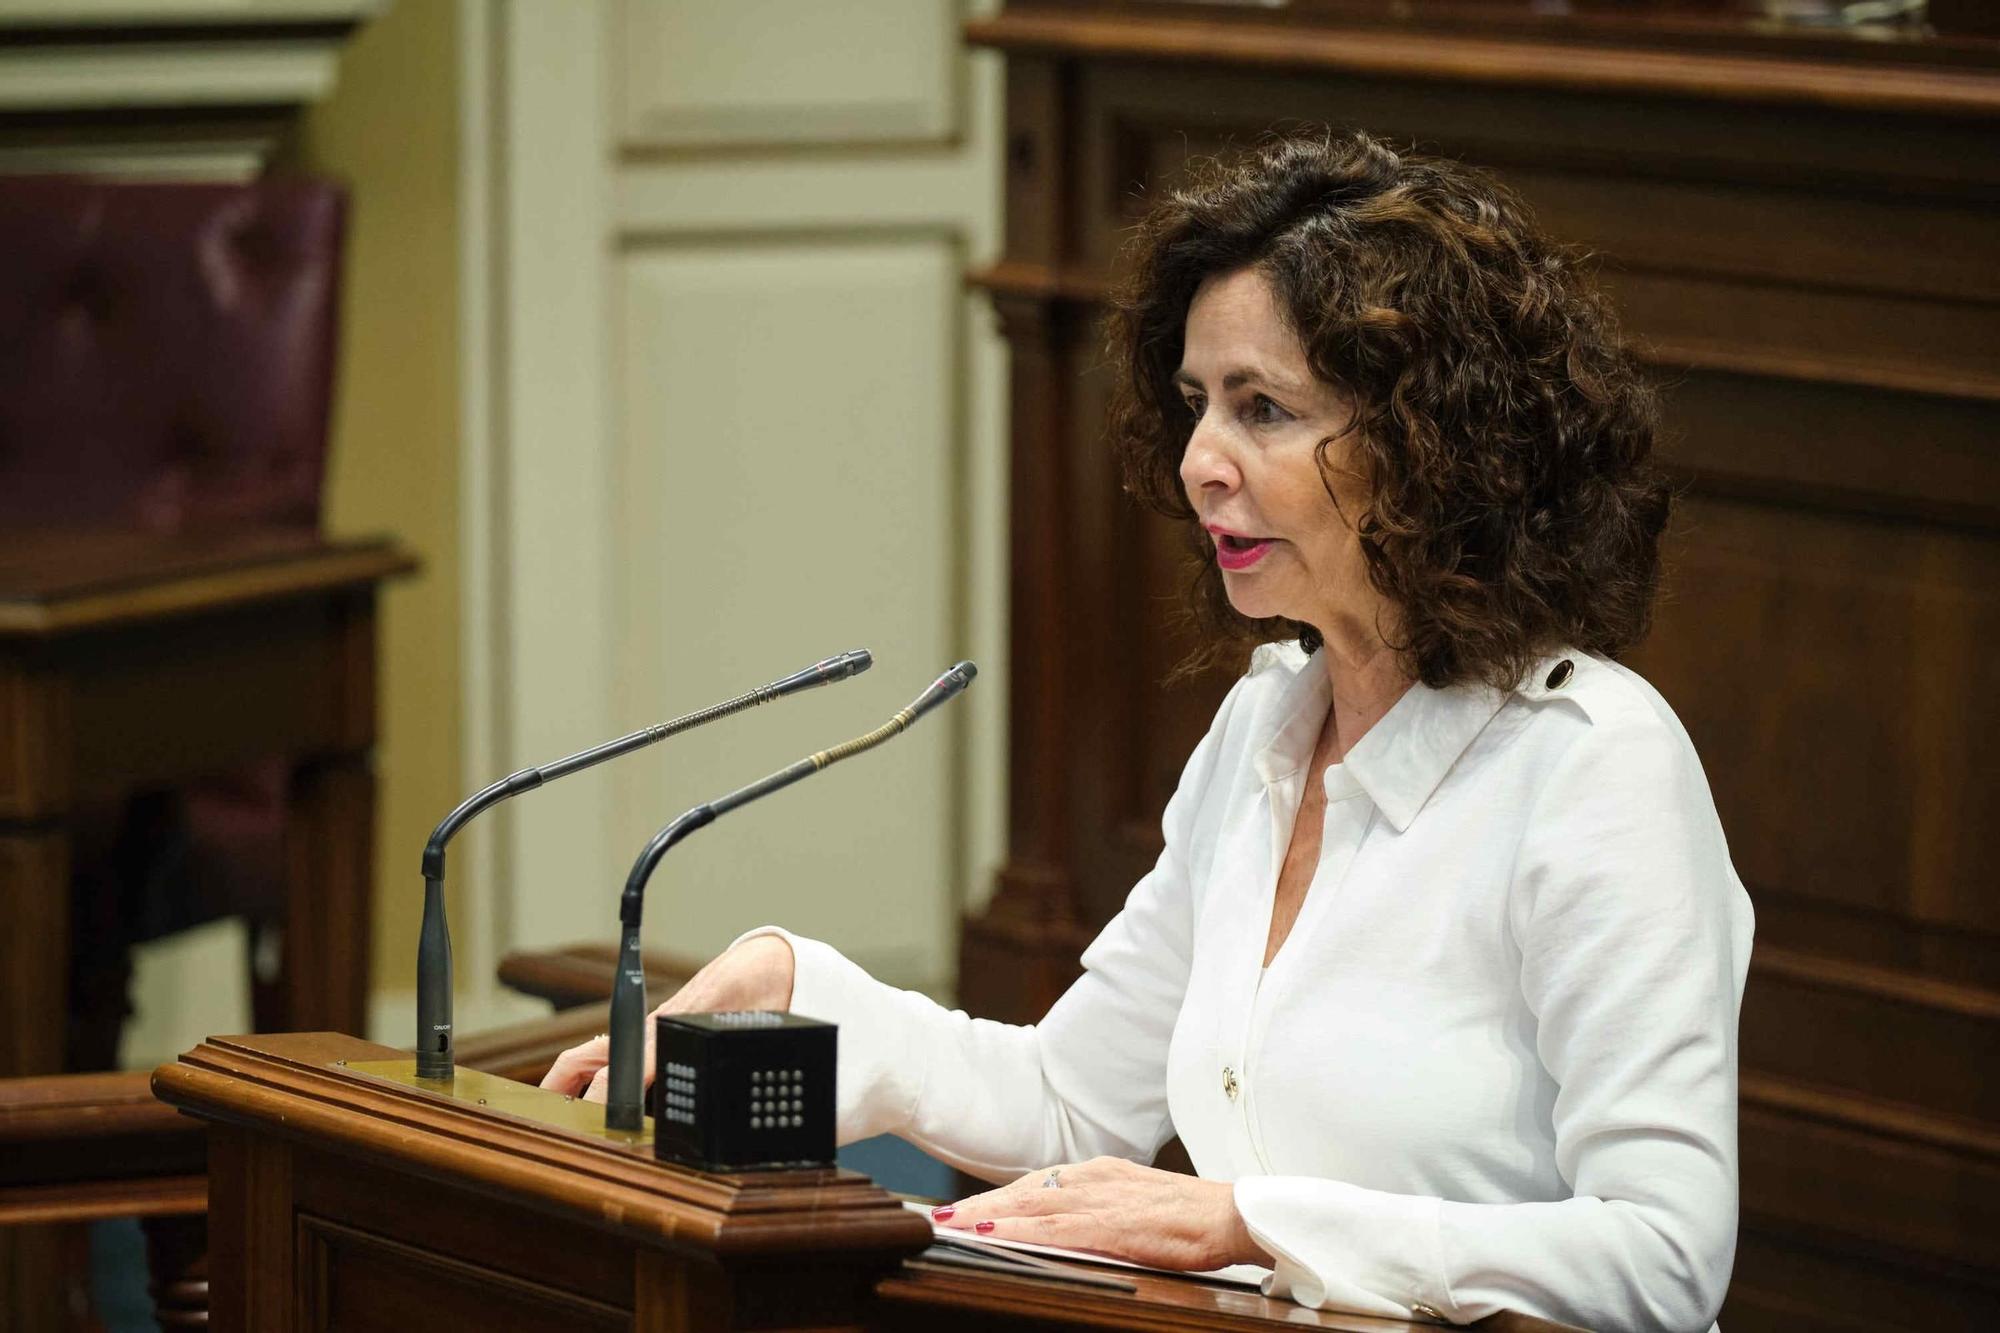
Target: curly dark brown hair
{"points": [[1503, 430]]}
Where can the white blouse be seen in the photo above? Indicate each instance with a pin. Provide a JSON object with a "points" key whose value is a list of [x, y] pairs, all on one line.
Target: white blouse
{"points": [[1494, 1063]]}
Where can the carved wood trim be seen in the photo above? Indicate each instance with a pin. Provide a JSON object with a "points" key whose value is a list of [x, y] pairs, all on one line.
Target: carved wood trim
{"points": [[1880, 983], [1689, 354], [83, 1106], [90, 1201], [177, 1261], [1437, 56], [1885, 1119], [292, 1088], [1074, 286], [74, 581]]}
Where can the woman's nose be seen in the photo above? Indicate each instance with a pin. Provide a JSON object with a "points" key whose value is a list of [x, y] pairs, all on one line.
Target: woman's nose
{"points": [[1206, 462]]}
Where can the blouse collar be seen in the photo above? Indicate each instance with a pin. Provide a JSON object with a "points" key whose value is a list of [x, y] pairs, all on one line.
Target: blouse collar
{"points": [[1403, 757]]}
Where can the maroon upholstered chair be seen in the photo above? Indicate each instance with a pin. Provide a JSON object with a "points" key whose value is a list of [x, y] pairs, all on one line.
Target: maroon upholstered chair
{"points": [[166, 364], [166, 351]]}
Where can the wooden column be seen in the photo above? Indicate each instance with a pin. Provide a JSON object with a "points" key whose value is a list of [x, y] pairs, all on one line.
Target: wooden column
{"points": [[1018, 954]]}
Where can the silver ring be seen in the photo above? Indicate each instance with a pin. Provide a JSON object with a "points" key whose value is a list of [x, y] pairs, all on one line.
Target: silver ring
{"points": [[1050, 1182]]}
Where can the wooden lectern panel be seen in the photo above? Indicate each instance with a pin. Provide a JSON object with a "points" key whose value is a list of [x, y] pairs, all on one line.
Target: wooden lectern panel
{"points": [[352, 1279], [341, 1199]]}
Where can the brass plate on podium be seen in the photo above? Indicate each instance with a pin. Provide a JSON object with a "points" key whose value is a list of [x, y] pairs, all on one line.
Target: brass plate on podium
{"points": [[469, 1086]]}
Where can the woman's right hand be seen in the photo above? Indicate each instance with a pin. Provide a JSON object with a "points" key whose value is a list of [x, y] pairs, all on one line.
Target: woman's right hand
{"points": [[754, 974]]}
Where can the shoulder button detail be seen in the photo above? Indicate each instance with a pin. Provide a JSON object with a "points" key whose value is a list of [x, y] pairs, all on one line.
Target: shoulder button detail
{"points": [[1229, 1083], [1418, 1308], [1560, 675]]}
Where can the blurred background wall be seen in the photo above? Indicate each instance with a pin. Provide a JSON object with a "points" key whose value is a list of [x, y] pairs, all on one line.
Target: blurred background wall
{"points": [[656, 351], [389, 130], [740, 414]]}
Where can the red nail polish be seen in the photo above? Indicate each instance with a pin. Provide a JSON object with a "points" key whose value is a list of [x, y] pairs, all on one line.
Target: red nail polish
{"points": [[982, 1227], [943, 1214]]}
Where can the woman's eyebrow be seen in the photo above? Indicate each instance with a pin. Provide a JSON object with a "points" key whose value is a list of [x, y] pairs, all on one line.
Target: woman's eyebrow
{"points": [[1240, 377]]}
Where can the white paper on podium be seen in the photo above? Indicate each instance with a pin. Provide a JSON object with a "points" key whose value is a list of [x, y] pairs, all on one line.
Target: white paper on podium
{"points": [[1243, 1275]]}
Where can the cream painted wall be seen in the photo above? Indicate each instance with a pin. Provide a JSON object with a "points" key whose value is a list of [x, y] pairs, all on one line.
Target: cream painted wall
{"points": [[391, 132], [615, 258], [740, 412]]}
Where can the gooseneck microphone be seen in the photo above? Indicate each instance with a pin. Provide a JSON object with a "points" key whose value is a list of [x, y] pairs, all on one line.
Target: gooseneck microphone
{"points": [[434, 1026], [623, 1099]]}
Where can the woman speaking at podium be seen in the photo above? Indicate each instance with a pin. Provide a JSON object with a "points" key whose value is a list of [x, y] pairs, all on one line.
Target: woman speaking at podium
{"points": [[1437, 977]]}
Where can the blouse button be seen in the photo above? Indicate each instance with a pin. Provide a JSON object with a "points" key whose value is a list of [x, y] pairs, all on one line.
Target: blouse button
{"points": [[1229, 1083], [1559, 677], [1423, 1311]]}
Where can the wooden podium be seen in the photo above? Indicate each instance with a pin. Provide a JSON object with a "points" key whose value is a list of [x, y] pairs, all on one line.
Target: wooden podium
{"points": [[345, 1194]]}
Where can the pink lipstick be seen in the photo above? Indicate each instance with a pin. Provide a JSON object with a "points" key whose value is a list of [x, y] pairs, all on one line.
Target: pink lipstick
{"points": [[1234, 551]]}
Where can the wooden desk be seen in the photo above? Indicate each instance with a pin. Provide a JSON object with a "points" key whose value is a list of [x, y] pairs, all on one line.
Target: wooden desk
{"points": [[920, 1296], [129, 661], [342, 1195], [76, 1148], [577, 974]]}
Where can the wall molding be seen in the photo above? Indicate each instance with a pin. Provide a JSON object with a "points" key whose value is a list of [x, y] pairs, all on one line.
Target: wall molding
{"points": [[1873, 1117], [183, 89], [1866, 80]]}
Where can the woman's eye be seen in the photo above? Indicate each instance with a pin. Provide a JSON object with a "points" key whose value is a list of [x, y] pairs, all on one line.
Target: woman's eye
{"points": [[1265, 412], [1196, 405]]}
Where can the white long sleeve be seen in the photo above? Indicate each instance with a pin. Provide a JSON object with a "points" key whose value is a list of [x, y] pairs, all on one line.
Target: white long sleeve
{"points": [[998, 1100], [1493, 1065]]}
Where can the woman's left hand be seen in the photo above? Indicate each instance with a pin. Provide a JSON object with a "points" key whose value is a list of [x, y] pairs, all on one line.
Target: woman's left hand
{"points": [[1114, 1207]]}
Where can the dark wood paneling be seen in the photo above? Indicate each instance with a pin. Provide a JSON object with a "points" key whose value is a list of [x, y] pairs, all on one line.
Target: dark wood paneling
{"points": [[1845, 447], [34, 875], [1843, 336], [1804, 239], [1837, 675], [352, 1281], [1875, 1032], [1788, 1282], [1895, 943], [249, 1230], [215, 667], [1877, 1196]]}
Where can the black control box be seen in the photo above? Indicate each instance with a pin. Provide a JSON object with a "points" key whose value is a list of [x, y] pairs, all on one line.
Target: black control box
{"points": [[743, 1091]]}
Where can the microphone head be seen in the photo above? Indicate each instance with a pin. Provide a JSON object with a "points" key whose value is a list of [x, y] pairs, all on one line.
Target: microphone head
{"points": [[847, 664], [945, 687], [824, 672]]}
